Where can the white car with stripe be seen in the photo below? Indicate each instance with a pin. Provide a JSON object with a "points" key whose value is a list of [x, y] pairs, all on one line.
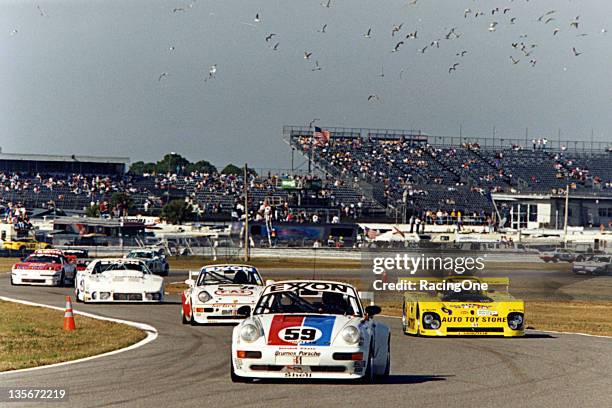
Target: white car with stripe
{"points": [[310, 329], [218, 292], [118, 280]]}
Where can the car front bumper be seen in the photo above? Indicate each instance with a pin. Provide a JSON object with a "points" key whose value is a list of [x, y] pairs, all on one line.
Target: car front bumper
{"points": [[305, 362], [123, 297], [36, 278]]}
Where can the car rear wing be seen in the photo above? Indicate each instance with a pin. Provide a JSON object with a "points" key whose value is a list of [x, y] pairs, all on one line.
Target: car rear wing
{"points": [[493, 283]]}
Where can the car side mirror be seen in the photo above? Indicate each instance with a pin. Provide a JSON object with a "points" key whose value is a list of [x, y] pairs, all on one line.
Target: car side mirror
{"points": [[244, 311], [373, 310], [190, 282]]}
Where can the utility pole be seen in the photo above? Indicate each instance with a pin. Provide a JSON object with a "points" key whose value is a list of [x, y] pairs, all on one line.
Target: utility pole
{"points": [[292, 166], [246, 214], [566, 214]]}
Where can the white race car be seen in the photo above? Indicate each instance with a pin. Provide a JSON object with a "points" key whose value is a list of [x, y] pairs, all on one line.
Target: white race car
{"points": [[118, 280], [218, 292], [310, 329], [156, 261], [44, 267]]}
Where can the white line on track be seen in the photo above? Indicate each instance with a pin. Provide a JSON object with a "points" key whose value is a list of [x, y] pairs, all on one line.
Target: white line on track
{"points": [[148, 329]]}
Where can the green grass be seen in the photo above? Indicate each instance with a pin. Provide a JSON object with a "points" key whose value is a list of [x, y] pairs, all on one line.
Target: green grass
{"points": [[33, 336]]}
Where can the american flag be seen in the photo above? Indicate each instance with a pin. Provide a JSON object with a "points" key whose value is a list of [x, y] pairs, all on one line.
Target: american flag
{"points": [[320, 136]]}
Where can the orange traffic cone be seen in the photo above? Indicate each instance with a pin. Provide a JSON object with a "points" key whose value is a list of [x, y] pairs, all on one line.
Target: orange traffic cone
{"points": [[69, 316]]}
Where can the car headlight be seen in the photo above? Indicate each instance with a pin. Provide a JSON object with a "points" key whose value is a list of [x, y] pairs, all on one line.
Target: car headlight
{"points": [[153, 296], [350, 334], [431, 321], [104, 295], [204, 296], [515, 321], [249, 333]]}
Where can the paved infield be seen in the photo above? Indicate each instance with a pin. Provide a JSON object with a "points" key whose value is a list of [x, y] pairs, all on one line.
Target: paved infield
{"points": [[189, 367]]}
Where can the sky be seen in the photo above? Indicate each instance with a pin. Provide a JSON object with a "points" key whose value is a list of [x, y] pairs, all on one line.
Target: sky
{"points": [[81, 76]]}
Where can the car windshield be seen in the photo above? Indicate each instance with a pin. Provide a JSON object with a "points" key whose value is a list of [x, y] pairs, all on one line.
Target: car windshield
{"points": [[121, 266], [134, 254], [464, 295], [44, 259], [605, 259], [309, 301], [217, 276]]}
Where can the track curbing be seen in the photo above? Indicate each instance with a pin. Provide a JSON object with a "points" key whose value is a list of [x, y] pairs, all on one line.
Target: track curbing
{"points": [[150, 331]]}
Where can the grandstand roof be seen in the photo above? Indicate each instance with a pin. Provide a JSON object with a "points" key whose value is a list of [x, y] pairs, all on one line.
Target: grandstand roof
{"points": [[63, 158]]}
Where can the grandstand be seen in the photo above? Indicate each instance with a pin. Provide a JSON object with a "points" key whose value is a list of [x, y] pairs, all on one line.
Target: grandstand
{"points": [[357, 175], [60, 164], [419, 173]]}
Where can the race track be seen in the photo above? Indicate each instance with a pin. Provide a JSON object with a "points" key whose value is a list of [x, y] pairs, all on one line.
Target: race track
{"points": [[188, 367]]}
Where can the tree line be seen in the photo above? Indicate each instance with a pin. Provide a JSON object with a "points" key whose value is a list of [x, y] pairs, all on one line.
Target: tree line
{"points": [[175, 163]]}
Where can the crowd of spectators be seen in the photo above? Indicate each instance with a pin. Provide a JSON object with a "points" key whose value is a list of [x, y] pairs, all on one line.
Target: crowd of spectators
{"points": [[448, 178], [395, 172]]}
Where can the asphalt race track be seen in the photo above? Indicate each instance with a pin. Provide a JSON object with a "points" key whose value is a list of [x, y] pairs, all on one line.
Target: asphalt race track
{"points": [[189, 367]]}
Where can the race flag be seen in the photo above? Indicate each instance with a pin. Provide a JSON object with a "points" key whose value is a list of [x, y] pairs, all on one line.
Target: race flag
{"points": [[321, 137]]}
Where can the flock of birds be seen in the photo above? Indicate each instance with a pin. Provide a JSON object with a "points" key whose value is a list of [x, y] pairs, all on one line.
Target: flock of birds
{"points": [[522, 49]]}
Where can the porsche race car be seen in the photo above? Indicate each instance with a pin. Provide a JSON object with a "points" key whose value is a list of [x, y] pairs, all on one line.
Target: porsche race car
{"points": [[118, 280], [469, 311], [81, 257], [155, 260], [49, 267], [218, 292], [310, 329]]}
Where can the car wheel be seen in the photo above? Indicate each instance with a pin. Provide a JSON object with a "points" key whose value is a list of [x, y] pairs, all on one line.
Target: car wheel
{"points": [[76, 296], [12, 281], [369, 375], [192, 320], [387, 371], [404, 325], [236, 378], [183, 317]]}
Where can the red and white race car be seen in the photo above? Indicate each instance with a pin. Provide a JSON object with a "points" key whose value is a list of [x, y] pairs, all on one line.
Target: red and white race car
{"points": [[218, 292], [48, 267]]}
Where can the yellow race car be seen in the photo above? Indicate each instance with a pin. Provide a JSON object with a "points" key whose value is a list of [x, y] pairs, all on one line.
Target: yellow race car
{"points": [[462, 306], [25, 244]]}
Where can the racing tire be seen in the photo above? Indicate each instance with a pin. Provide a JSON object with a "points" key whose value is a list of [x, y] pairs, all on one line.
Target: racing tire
{"points": [[236, 378], [387, 371], [404, 326], [369, 376], [183, 318], [192, 320], [12, 281], [76, 296]]}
